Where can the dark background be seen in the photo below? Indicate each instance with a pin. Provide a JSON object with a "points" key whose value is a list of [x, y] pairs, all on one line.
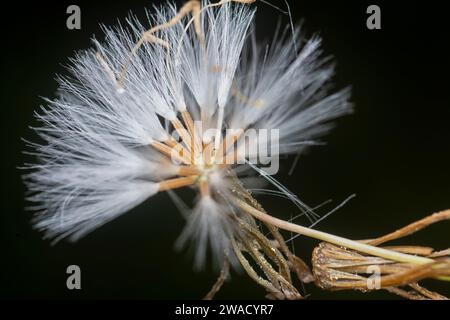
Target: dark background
{"points": [[393, 152]]}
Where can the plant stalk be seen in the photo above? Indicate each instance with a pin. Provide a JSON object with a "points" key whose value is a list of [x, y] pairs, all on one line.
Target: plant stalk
{"points": [[323, 236]]}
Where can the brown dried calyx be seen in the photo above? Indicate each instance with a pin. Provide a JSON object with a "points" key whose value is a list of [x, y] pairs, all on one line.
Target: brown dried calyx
{"points": [[338, 268]]}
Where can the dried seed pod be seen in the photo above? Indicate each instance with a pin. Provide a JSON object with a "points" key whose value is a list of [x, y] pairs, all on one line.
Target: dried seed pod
{"points": [[339, 268]]}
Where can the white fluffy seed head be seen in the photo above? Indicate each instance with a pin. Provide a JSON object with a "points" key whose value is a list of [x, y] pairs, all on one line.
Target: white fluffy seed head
{"points": [[96, 160]]}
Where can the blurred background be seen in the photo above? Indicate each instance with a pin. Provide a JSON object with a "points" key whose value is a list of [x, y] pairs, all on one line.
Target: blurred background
{"points": [[393, 152]]}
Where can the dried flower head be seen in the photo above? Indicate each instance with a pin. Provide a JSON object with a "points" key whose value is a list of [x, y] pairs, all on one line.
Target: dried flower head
{"points": [[337, 268], [149, 111]]}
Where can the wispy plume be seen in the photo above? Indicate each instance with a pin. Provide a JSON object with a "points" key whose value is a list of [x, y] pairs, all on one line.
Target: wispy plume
{"points": [[152, 110]]}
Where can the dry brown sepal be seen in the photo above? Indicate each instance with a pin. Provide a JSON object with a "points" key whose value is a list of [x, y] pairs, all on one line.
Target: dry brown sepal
{"points": [[338, 268], [269, 262]]}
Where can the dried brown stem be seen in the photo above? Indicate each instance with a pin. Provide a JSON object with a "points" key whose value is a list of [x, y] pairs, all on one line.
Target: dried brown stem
{"points": [[412, 228], [220, 280]]}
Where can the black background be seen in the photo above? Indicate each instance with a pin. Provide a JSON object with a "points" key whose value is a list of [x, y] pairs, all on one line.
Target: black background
{"points": [[393, 152]]}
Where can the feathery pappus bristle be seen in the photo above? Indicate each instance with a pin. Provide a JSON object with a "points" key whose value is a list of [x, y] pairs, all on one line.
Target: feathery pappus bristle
{"points": [[147, 111]]}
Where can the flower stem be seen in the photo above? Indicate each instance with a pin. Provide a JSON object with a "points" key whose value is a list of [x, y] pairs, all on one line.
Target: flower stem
{"points": [[323, 236]]}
